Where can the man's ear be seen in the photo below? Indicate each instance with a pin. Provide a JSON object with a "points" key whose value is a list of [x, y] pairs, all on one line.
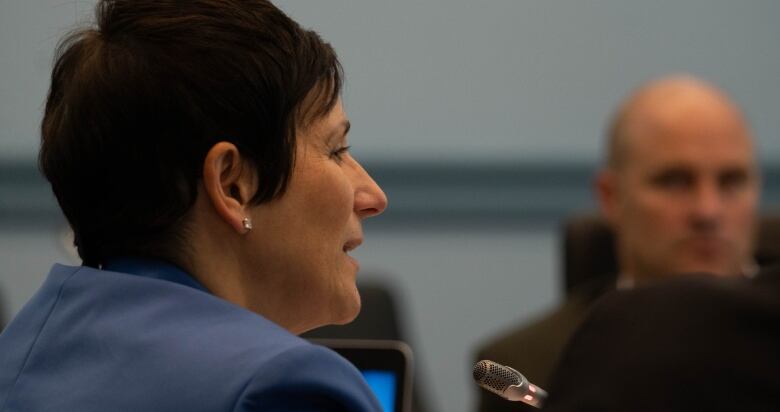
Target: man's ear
{"points": [[608, 193], [229, 184]]}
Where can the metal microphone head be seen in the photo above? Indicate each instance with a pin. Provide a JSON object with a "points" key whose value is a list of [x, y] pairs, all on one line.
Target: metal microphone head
{"points": [[496, 378], [507, 383]]}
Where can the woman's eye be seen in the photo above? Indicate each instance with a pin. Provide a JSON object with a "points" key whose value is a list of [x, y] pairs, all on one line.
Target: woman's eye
{"points": [[339, 153]]}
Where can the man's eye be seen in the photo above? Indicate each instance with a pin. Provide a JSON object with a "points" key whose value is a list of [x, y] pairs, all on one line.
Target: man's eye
{"points": [[673, 181], [735, 180]]}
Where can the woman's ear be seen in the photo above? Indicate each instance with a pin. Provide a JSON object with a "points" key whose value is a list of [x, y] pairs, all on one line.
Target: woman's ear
{"points": [[229, 184]]}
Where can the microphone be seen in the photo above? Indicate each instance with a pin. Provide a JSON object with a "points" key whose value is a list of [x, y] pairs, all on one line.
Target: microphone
{"points": [[508, 383]]}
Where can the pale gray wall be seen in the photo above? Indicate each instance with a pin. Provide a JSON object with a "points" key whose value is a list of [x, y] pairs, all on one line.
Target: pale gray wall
{"points": [[527, 79], [474, 80], [29, 31]]}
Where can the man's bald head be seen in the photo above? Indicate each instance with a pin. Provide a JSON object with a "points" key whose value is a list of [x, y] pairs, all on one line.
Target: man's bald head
{"points": [[668, 103]]}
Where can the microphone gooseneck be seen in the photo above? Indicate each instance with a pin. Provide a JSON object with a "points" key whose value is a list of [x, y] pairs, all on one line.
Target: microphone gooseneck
{"points": [[507, 383]]}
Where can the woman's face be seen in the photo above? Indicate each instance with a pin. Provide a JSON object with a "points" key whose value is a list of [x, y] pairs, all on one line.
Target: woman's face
{"points": [[301, 241]]}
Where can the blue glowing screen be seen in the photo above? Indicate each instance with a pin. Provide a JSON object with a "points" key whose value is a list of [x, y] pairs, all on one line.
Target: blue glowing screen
{"points": [[383, 383]]}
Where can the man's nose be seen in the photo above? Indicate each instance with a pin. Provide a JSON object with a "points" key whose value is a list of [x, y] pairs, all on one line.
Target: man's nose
{"points": [[707, 205]]}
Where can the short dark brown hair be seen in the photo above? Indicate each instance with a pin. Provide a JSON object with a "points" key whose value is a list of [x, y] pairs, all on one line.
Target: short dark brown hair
{"points": [[137, 101]]}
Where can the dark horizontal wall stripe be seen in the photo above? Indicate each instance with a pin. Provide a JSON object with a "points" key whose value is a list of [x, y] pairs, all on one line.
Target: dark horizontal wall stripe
{"points": [[425, 194], [419, 193], [26, 198]]}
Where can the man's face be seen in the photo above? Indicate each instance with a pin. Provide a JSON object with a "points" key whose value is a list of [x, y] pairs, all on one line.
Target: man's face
{"points": [[685, 198]]}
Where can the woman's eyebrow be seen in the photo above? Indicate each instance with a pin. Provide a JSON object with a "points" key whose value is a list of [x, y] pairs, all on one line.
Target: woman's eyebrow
{"points": [[335, 133], [347, 125]]}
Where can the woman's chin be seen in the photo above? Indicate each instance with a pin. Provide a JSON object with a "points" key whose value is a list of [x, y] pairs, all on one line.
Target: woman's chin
{"points": [[349, 308]]}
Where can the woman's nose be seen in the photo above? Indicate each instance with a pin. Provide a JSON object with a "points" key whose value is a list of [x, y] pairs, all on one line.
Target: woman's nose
{"points": [[370, 200]]}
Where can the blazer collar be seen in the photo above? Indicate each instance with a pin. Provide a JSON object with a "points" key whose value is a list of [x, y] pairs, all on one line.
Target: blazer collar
{"points": [[152, 268]]}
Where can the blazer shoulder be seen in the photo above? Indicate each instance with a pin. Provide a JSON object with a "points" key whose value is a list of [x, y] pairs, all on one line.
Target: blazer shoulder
{"points": [[307, 378]]}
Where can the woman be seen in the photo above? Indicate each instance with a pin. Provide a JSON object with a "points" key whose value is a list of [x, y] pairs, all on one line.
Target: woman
{"points": [[199, 151]]}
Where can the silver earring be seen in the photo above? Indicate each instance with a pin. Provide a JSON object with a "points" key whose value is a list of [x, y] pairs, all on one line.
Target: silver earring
{"points": [[247, 224]]}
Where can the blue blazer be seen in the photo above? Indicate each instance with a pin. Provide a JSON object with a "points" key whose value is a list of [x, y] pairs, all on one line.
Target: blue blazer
{"points": [[145, 336]]}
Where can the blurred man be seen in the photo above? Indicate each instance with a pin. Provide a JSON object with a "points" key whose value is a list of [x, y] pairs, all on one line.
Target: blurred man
{"points": [[680, 189], [681, 185]]}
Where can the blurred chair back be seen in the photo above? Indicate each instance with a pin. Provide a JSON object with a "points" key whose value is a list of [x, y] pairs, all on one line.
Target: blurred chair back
{"points": [[589, 248], [379, 318]]}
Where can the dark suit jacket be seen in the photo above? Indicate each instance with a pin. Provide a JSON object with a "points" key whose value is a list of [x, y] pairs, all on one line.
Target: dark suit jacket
{"points": [[145, 336], [690, 344], [534, 349]]}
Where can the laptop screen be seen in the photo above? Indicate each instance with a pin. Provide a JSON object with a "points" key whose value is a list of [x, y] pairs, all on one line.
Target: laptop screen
{"points": [[384, 383]]}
